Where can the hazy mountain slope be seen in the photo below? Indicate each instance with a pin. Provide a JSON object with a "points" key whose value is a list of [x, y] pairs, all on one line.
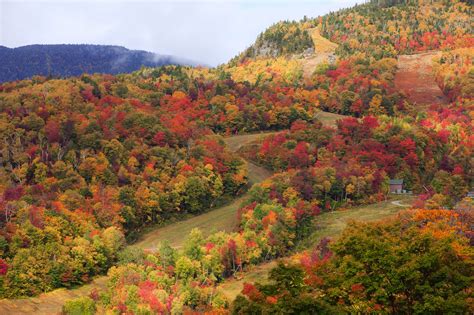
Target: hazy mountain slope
{"points": [[72, 60]]}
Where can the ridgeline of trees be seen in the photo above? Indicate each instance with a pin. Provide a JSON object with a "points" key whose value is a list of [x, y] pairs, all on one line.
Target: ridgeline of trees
{"points": [[74, 60]]}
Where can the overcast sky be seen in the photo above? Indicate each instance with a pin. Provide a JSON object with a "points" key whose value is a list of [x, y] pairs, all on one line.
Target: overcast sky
{"points": [[210, 32]]}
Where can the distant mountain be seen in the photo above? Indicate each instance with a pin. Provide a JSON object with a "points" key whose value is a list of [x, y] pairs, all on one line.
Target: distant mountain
{"points": [[72, 60]]}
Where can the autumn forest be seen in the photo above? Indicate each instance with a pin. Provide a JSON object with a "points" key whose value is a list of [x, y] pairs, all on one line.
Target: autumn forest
{"points": [[318, 118]]}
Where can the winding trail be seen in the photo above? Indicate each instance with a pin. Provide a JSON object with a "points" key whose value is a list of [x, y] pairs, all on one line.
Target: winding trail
{"points": [[398, 204], [324, 52], [219, 219]]}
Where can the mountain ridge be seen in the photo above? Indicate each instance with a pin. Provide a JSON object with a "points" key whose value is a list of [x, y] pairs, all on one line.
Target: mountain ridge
{"points": [[66, 60]]}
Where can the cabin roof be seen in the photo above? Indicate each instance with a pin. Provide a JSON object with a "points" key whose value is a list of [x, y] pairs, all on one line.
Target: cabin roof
{"points": [[396, 181]]}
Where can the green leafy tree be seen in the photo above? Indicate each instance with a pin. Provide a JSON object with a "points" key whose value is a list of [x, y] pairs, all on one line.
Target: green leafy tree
{"points": [[80, 306], [398, 269]]}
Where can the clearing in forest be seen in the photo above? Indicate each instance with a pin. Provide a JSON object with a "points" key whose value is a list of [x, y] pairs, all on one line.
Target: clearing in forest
{"points": [[323, 52], [234, 143], [329, 119], [321, 44], [51, 302], [416, 79]]}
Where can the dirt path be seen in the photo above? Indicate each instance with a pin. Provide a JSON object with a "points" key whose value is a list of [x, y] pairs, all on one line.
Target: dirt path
{"points": [[323, 52], [49, 303], [329, 224], [221, 219], [399, 204], [234, 143], [415, 78], [329, 119], [310, 63]]}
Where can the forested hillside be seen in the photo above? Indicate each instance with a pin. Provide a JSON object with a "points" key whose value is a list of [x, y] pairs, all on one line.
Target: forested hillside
{"points": [[88, 162], [73, 60], [383, 29]]}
